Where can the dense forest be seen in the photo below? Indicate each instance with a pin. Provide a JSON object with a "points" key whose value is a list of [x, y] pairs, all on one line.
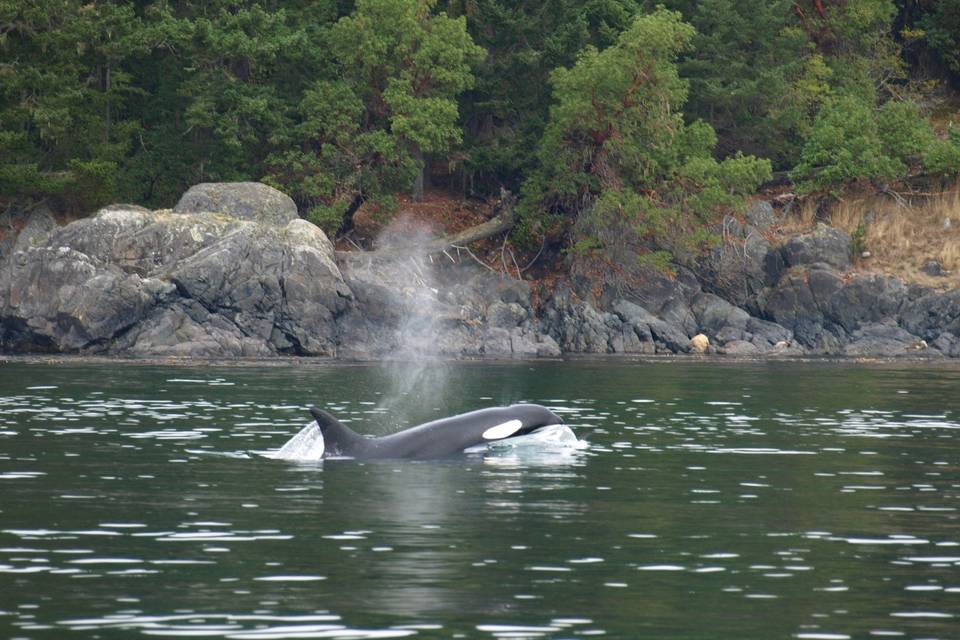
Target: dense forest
{"points": [[614, 120]]}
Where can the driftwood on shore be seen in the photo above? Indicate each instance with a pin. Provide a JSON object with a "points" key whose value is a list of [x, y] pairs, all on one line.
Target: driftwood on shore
{"points": [[504, 221], [501, 222]]}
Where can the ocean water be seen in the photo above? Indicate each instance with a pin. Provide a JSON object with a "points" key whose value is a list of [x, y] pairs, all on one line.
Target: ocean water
{"points": [[712, 500]]}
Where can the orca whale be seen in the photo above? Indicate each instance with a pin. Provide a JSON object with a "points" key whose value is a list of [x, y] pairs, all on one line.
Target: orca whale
{"points": [[436, 439]]}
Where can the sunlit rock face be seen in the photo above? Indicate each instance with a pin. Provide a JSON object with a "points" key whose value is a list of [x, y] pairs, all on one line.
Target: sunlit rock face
{"points": [[242, 200], [210, 283]]}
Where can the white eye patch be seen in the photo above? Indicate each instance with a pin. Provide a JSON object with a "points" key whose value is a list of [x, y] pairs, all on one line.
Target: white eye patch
{"points": [[503, 430]]}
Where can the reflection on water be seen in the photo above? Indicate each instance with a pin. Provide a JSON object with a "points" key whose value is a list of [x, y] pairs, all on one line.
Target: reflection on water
{"points": [[761, 501]]}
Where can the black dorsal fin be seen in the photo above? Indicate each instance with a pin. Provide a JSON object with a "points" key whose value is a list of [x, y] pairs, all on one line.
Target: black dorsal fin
{"points": [[338, 437]]}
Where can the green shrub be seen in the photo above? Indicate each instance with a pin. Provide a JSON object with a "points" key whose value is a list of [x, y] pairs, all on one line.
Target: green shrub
{"points": [[904, 132], [941, 27], [843, 146], [942, 156], [858, 239], [328, 218]]}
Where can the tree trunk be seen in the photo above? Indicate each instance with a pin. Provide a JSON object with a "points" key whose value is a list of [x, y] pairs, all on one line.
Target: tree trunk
{"points": [[503, 221], [108, 115], [418, 183], [346, 226]]}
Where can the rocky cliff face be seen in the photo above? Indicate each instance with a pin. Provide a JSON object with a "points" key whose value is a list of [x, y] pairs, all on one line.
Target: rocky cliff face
{"points": [[749, 298], [233, 271], [189, 282]]}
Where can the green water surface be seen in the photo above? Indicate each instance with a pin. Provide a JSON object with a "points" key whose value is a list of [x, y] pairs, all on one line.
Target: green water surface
{"points": [[747, 501]]}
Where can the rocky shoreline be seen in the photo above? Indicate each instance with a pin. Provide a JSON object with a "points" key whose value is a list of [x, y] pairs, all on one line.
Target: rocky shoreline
{"points": [[233, 272]]}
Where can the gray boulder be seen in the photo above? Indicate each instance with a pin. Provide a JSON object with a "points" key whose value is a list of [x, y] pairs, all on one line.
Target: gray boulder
{"points": [[766, 334], [504, 343], [678, 313], [761, 215], [933, 267], [55, 298], [243, 200], [40, 224], [139, 241], [884, 339], [948, 344], [408, 306], [577, 326], [506, 314], [713, 313], [187, 329], [740, 348], [795, 303], [650, 329], [866, 299], [930, 313], [743, 264], [865, 315], [21, 230], [825, 244], [132, 281]]}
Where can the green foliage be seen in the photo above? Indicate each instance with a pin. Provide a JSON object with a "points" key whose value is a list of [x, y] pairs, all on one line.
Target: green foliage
{"points": [[747, 56], [165, 94], [625, 124], [858, 239], [408, 66], [942, 157], [505, 113], [611, 100], [363, 135], [93, 184], [63, 89], [903, 130], [329, 218], [26, 180], [844, 146], [616, 158], [941, 30], [856, 41], [852, 141]]}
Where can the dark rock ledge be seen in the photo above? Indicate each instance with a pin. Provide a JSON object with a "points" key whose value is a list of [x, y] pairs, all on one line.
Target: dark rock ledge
{"points": [[232, 271]]}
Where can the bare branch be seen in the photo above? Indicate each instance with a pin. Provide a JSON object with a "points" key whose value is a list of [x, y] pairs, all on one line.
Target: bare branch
{"points": [[470, 253]]}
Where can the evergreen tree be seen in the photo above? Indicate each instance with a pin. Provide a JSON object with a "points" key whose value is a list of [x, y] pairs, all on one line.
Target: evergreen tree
{"points": [[365, 132], [505, 114], [224, 89], [941, 32], [64, 126], [408, 67], [745, 68], [617, 164]]}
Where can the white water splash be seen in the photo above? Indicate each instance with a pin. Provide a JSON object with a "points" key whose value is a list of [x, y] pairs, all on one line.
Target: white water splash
{"points": [[554, 436], [553, 444], [306, 446]]}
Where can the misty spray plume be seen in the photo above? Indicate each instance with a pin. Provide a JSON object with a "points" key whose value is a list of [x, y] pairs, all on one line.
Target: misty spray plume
{"points": [[416, 374]]}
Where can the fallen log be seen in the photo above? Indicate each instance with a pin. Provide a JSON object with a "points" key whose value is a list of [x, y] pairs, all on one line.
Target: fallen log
{"points": [[503, 221]]}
